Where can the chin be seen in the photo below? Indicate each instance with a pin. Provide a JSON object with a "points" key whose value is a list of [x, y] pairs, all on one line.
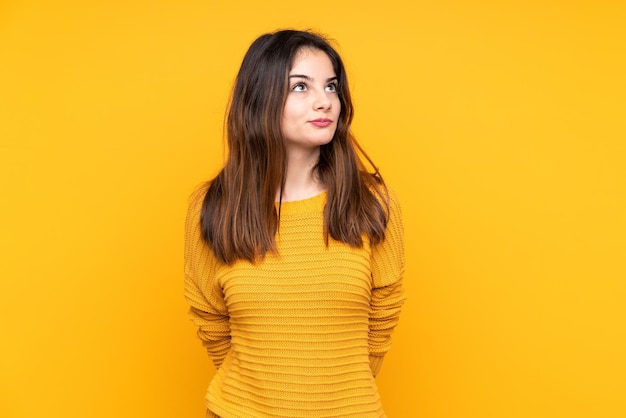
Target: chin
{"points": [[325, 141]]}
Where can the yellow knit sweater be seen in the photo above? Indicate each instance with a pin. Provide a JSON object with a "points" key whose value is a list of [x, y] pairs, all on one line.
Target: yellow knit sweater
{"points": [[303, 333]]}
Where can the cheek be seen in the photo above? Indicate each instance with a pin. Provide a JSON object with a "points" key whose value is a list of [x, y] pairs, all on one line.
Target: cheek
{"points": [[337, 106], [291, 110]]}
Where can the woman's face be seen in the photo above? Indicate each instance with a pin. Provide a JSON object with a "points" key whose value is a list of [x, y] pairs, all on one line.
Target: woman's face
{"points": [[312, 107]]}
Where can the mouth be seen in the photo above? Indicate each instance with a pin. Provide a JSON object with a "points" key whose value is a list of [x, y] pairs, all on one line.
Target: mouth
{"points": [[321, 123]]}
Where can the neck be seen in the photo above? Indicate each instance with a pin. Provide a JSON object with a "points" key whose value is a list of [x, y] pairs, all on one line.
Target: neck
{"points": [[301, 181]]}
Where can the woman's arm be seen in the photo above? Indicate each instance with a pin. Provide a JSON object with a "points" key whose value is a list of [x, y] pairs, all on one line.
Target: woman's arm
{"points": [[208, 310], [388, 294]]}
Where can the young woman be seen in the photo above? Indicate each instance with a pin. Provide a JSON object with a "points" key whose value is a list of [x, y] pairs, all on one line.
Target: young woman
{"points": [[294, 253]]}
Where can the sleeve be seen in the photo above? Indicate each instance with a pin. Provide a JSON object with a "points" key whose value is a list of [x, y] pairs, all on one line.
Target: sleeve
{"points": [[388, 294], [207, 310]]}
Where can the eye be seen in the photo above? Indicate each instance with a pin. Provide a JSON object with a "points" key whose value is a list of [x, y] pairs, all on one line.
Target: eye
{"points": [[332, 87], [299, 87]]}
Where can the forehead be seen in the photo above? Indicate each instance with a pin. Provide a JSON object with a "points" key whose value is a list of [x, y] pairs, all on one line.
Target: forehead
{"points": [[312, 59]]}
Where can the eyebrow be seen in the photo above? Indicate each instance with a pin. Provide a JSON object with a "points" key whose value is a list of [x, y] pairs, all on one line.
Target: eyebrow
{"points": [[306, 77]]}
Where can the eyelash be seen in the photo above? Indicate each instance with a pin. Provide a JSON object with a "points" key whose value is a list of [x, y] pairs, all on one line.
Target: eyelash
{"points": [[332, 85]]}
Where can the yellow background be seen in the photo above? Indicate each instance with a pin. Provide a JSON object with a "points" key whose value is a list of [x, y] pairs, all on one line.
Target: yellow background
{"points": [[500, 124]]}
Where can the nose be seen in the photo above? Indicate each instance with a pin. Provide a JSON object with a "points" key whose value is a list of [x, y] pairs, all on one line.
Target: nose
{"points": [[322, 101]]}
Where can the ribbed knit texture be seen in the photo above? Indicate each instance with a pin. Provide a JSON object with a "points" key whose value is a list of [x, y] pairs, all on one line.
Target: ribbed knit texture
{"points": [[304, 332]]}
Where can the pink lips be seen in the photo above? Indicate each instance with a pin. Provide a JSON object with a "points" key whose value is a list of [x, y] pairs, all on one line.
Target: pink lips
{"points": [[321, 123]]}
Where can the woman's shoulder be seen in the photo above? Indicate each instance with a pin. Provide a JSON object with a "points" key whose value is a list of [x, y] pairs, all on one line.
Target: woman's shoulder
{"points": [[384, 192], [394, 199], [199, 195], [199, 192], [195, 203]]}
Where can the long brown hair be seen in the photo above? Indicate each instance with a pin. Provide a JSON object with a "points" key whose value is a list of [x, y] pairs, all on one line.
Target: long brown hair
{"points": [[239, 218]]}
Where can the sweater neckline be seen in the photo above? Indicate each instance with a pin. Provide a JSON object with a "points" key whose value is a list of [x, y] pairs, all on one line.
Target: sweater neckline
{"points": [[294, 206]]}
